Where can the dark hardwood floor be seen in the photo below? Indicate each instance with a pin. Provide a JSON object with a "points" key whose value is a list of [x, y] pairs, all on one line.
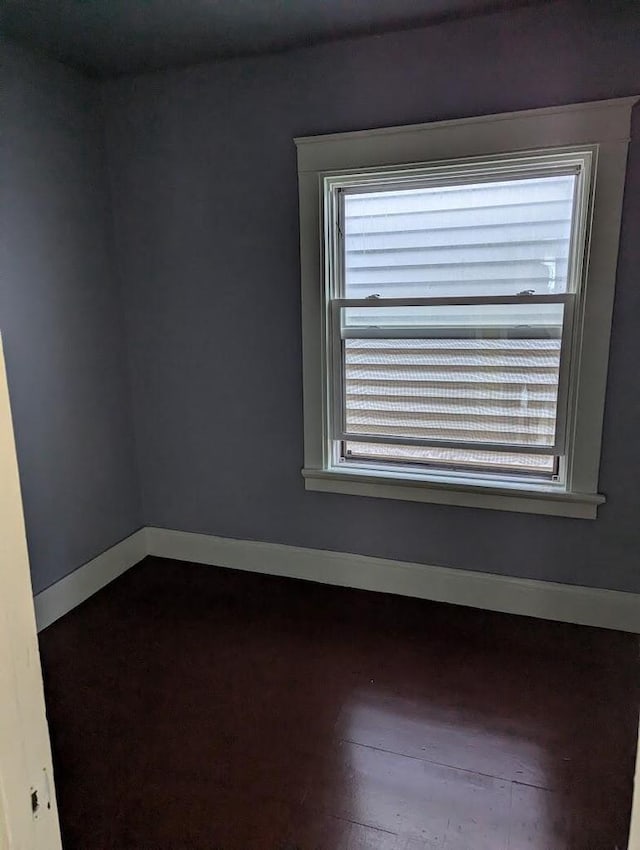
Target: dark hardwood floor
{"points": [[194, 708]]}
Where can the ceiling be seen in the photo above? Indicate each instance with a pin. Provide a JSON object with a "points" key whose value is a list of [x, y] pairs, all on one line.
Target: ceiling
{"points": [[123, 36]]}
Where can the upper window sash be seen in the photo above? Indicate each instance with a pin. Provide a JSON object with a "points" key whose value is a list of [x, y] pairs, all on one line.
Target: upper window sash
{"points": [[578, 162]]}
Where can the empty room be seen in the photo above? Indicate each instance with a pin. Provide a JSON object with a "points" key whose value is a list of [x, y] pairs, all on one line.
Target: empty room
{"points": [[320, 425]]}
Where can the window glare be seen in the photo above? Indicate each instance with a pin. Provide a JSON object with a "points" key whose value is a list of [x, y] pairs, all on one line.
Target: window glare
{"points": [[486, 238]]}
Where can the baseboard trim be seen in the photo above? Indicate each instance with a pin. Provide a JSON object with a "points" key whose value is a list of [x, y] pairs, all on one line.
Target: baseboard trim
{"points": [[609, 609], [73, 589]]}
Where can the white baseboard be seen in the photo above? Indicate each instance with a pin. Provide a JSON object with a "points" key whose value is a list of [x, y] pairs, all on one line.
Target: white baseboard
{"points": [[66, 594], [608, 609]]}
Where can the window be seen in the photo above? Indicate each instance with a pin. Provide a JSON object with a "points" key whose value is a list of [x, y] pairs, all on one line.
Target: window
{"points": [[456, 309]]}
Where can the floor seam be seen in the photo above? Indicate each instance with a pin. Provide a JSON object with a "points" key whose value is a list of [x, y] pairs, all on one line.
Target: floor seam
{"points": [[446, 764]]}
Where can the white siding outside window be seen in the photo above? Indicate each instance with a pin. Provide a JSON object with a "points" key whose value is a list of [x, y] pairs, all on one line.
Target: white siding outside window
{"points": [[487, 238]]}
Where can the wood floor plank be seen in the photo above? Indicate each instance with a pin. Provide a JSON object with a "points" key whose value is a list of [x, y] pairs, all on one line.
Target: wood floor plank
{"points": [[539, 818], [451, 734], [311, 830], [440, 806]]}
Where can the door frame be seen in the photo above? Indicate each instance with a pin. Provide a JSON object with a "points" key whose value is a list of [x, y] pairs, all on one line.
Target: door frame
{"points": [[28, 809], [634, 835]]}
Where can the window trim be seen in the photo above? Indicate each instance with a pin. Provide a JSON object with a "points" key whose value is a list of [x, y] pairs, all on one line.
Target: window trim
{"points": [[603, 126]]}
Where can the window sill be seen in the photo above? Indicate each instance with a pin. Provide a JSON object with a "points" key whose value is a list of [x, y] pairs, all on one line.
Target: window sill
{"points": [[534, 499]]}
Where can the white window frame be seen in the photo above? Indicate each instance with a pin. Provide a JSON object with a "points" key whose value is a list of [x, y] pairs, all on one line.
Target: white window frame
{"points": [[598, 130]]}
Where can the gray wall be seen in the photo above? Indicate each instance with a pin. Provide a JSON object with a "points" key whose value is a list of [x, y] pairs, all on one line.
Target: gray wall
{"points": [[204, 184], [61, 318]]}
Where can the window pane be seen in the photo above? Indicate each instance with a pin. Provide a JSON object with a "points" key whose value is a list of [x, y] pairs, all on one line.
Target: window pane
{"points": [[474, 374], [457, 459], [488, 238]]}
